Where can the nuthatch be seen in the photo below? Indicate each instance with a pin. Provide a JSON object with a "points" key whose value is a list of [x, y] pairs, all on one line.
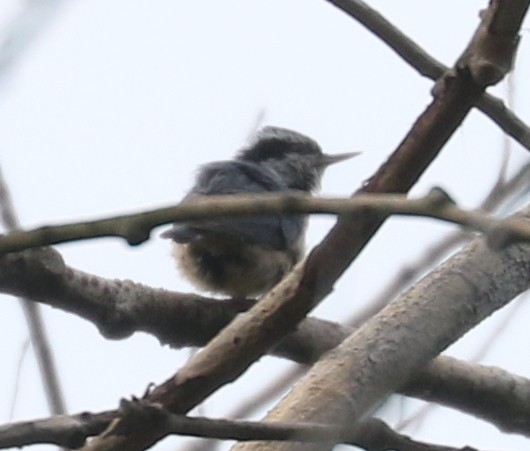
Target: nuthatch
{"points": [[246, 256]]}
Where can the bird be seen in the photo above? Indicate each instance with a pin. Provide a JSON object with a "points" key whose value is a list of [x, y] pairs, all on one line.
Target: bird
{"points": [[246, 256]]}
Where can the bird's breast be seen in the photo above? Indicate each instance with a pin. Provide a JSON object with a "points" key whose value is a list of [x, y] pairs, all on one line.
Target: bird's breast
{"points": [[225, 264]]}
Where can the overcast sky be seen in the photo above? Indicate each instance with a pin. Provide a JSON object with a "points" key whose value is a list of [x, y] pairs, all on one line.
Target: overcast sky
{"points": [[109, 106]]}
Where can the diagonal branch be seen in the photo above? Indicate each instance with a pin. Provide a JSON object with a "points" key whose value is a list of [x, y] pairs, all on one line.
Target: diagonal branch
{"points": [[503, 192], [376, 359], [429, 67], [36, 325], [377, 344]]}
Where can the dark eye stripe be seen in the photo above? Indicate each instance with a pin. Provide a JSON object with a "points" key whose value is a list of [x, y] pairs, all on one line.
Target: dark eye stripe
{"points": [[276, 149]]}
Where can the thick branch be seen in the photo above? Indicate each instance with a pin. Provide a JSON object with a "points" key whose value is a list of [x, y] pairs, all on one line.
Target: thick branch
{"points": [[376, 359], [339, 386], [119, 308], [501, 192], [490, 393]]}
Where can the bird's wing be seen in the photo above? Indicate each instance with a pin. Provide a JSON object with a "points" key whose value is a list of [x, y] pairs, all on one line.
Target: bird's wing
{"points": [[238, 177]]}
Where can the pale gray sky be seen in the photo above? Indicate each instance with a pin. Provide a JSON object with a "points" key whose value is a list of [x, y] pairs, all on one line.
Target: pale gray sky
{"points": [[115, 103]]}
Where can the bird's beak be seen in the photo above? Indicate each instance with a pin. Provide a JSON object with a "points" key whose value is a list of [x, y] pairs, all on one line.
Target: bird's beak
{"points": [[328, 160]]}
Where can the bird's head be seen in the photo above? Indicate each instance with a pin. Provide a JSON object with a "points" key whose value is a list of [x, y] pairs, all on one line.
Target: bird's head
{"points": [[296, 158]]}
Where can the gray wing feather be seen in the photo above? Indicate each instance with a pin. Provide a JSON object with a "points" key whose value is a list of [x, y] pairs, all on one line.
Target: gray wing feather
{"points": [[238, 177]]}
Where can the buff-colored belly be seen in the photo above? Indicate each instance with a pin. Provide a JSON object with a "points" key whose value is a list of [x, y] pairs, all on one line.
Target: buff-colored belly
{"points": [[226, 266]]}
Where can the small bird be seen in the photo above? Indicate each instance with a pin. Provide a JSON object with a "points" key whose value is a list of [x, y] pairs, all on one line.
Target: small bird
{"points": [[246, 256]]}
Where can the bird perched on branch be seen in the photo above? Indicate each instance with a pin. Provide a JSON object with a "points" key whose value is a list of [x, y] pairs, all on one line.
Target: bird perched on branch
{"points": [[246, 256]]}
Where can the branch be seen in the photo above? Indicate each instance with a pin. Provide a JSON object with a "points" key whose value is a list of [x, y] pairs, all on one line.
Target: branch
{"points": [[317, 396], [502, 192], [262, 397], [435, 205], [118, 308], [429, 67], [35, 322], [250, 335], [68, 431], [486, 392], [72, 431], [376, 359], [22, 31], [468, 385]]}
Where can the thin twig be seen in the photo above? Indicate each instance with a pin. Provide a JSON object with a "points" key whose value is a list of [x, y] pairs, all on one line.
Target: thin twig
{"points": [[37, 329], [135, 228], [246, 408], [19, 34], [23, 30], [373, 434], [22, 356]]}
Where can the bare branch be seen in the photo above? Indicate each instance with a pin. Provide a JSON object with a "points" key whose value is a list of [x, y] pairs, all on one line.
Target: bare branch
{"points": [[504, 396], [23, 352], [502, 192], [23, 30], [188, 319], [119, 308], [428, 66], [37, 329], [434, 313], [435, 205], [250, 335], [71, 431], [271, 392], [380, 343]]}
